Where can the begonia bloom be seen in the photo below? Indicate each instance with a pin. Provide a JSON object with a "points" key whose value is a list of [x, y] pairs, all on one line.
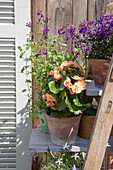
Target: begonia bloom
{"points": [[67, 83], [50, 98], [50, 103], [67, 64]]}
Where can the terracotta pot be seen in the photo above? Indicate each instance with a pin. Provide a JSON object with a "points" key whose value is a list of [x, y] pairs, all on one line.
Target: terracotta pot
{"points": [[86, 126], [99, 69], [63, 130]]}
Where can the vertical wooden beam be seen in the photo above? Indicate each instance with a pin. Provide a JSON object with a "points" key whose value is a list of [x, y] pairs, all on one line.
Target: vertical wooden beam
{"points": [[102, 127], [36, 5], [60, 13], [79, 12], [96, 8]]}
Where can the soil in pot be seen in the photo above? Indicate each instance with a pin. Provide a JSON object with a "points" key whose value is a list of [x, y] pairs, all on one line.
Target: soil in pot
{"points": [[63, 130]]}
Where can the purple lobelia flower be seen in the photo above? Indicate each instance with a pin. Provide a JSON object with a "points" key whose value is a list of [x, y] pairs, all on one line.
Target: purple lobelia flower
{"points": [[75, 156], [66, 146], [45, 53], [45, 37], [59, 161], [38, 54], [74, 168], [39, 12], [63, 27], [58, 31], [29, 25]]}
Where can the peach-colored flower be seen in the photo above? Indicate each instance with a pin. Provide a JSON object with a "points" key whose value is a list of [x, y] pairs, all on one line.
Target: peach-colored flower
{"points": [[82, 84], [77, 78], [57, 76], [50, 98], [50, 103], [67, 83], [71, 91], [76, 88], [67, 64], [44, 97], [52, 72]]}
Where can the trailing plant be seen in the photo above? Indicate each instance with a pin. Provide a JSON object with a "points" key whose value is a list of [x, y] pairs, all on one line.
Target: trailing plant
{"points": [[46, 54]]}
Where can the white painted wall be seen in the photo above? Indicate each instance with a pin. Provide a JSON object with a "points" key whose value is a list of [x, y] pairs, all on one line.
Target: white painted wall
{"points": [[22, 16]]}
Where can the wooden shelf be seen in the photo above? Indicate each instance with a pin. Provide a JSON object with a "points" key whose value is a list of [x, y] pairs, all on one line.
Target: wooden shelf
{"points": [[91, 90], [40, 141]]}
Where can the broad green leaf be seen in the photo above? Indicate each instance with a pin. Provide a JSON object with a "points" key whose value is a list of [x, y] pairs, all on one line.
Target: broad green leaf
{"points": [[74, 109], [76, 101], [60, 114], [53, 88], [61, 105]]}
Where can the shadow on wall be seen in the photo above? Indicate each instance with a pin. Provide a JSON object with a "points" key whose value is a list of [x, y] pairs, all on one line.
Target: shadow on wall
{"points": [[23, 132]]}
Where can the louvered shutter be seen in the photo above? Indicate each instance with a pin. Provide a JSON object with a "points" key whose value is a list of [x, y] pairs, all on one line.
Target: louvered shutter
{"points": [[7, 104], [12, 147]]}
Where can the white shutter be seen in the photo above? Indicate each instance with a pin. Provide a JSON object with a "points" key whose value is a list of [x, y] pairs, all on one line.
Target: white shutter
{"points": [[7, 11], [7, 104], [13, 144]]}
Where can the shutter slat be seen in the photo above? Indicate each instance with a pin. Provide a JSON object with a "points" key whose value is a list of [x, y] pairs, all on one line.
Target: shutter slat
{"points": [[8, 165], [7, 93], [6, 14], [7, 168]]}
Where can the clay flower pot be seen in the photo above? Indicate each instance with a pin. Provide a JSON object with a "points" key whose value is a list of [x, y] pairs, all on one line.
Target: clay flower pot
{"points": [[86, 126], [99, 69], [63, 130]]}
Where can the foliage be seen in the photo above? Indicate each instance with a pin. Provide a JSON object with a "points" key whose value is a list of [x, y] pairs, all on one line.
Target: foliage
{"points": [[63, 160], [47, 54], [66, 95], [95, 38], [91, 111]]}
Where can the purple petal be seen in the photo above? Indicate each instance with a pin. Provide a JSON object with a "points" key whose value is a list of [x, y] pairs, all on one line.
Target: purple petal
{"points": [[45, 53]]}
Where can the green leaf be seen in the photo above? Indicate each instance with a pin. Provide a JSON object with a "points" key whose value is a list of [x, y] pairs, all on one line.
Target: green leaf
{"points": [[60, 114], [22, 70], [76, 101], [61, 105], [24, 90], [53, 88], [64, 45], [74, 109], [28, 81]]}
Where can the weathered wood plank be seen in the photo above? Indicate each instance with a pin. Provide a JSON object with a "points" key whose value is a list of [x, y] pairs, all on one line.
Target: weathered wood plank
{"points": [[60, 13], [36, 5], [96, 8], [109, 10], [102, 127], [79, 12]]}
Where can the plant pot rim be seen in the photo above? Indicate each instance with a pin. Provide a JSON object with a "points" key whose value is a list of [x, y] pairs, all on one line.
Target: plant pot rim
{"points": [[62, 118]]}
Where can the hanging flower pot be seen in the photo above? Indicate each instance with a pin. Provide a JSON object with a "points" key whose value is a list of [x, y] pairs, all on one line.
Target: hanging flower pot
{"points": [[63, 130], [99, 69]]}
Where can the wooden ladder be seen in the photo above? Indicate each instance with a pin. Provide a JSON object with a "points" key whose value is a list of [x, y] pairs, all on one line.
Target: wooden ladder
{"points": [[102, 126]]}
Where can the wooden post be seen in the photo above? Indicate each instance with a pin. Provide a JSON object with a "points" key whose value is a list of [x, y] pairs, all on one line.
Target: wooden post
{"points": [[102, 126], [36, 5]]}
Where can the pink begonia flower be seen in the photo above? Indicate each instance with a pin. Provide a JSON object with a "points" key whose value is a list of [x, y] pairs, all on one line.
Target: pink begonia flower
{"points": [[67, 64], [50, 103]]}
